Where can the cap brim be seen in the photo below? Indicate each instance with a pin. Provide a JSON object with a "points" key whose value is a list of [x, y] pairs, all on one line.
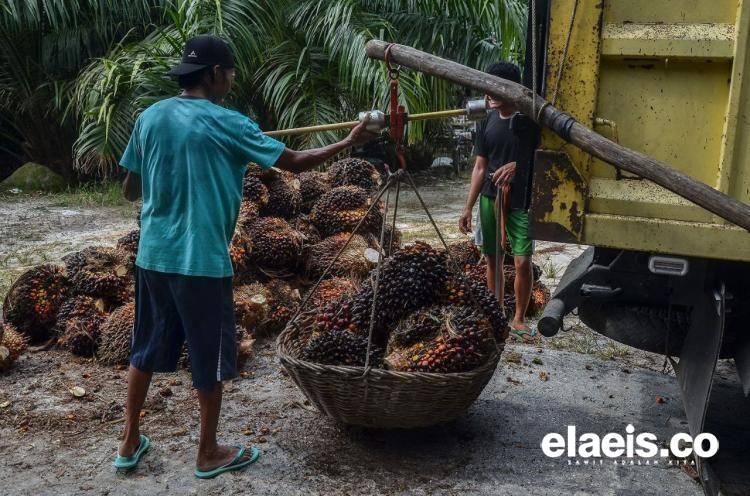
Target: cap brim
{"points": [[184, 68]]}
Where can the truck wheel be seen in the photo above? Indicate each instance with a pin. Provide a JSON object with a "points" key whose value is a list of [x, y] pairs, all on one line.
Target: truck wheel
{"points": [[640, 326]]}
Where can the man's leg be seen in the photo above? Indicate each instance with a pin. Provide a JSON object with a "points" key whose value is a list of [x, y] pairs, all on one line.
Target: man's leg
{"points": [[211, 455], [522, 287], [494, 277], [138, 383]]}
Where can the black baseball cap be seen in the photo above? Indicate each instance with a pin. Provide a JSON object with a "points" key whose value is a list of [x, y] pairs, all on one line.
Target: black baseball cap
{"points": [[203, 51]]}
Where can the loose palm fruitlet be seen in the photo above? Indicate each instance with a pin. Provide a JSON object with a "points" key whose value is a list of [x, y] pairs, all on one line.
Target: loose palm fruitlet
{"points": [[254, 190], [115, 334], [341, 348], [284, 197], [312, 185], [275, 244], [342, 208], [101, 272], [33, 301], [78, 323], [441, 339], [413, 277], [12, 346], [354, 172], [352, 261]]}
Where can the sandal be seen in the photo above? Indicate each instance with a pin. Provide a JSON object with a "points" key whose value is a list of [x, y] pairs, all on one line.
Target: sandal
{"points": [[130, 462], [527, 335], [235, 464]]}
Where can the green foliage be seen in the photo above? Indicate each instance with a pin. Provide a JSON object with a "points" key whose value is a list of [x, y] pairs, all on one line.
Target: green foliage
{"points": [[299, 62]]}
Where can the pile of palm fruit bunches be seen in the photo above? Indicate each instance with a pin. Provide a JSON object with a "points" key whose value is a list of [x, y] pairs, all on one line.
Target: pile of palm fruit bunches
{"points": [[289, 230]]}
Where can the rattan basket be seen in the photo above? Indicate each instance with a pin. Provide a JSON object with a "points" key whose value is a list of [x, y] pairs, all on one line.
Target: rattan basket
{"points": [[381, 398]]}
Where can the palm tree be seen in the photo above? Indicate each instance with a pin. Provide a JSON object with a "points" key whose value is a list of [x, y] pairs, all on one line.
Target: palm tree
{"points": [[300, 62]]}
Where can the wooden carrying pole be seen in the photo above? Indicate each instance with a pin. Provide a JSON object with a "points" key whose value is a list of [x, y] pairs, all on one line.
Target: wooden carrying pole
{"points": [[569, 129]]}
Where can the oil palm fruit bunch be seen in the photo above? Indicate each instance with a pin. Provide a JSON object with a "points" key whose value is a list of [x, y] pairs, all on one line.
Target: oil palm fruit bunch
{"points": [[276, 245], [115, 335], [340, 347], [453, 339], [342, 208], [78, 323], [460, 290], [284, 197], [312, 185], [12, 345], [129, 242], [476, 273], [332, 290], [285, 302], [540, 296], [354, 172], [254, 190], [100, 272], [411, 278], [351, 262], [464, 253], [33, 301], [391, 239]]}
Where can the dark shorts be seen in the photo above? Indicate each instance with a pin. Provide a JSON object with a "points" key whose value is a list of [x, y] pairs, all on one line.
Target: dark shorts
{"points": [[171, 309]]}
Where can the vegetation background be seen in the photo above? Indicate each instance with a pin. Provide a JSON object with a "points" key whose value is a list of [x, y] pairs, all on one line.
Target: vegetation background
{"points": [[75, 74]]}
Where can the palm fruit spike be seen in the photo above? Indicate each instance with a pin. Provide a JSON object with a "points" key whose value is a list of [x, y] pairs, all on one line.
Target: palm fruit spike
{"points": [[252, 305], [413, 277], [464, 253], [284, 197], [354, 172], [342, 208], [275, 244], [115, 334], [100, 272], [33, 301], [12, 346], [331, 290], [341, 348], [312, 185], [240, 250], [451, 339], [352, 261], [254, 190], [78, 323]]}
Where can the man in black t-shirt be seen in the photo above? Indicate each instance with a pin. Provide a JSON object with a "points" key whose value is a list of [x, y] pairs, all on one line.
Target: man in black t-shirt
{"points": [[504, 142]]}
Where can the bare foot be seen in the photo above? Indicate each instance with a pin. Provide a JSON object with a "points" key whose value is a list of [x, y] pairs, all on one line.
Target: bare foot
{"points": [[219, 457]]}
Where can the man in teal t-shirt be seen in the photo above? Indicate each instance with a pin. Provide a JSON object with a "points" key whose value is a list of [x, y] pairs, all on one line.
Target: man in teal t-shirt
{"points": [[187, 157]]}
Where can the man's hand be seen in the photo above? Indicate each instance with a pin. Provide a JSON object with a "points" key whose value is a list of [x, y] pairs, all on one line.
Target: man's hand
{"points": [[464, 222], [504, 174], [360, 135]]}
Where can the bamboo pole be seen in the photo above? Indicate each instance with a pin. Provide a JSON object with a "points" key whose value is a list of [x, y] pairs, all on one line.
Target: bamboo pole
{"points": [[569, 129], [442, 114]]}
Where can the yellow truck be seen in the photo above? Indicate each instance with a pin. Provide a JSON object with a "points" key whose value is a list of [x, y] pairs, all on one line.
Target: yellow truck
{"points": [[671, 79]]}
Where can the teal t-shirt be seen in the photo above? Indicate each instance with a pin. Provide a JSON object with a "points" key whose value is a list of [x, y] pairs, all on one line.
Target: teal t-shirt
{"points": [[191, 156]]}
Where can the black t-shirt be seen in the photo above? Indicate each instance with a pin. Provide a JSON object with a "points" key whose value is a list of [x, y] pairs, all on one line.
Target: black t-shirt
{"points": [[502, 141]]}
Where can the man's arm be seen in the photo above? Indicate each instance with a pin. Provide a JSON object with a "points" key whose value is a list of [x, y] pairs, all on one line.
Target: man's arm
{"points": [[477, 179], [301, 161], [131, 187]]}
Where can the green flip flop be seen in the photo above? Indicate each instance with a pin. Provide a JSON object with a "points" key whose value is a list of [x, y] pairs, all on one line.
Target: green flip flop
{"points": [[520, 333], [235, 464], [130, 462]]}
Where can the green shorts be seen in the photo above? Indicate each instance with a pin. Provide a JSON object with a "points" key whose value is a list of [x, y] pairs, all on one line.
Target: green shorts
{"points": [[516, 229]]}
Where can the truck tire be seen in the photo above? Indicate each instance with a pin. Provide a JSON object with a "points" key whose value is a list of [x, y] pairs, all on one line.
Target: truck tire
{"points": [[637, 325]]}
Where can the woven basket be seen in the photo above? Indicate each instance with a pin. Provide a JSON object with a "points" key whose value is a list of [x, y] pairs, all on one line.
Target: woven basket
{"points": [[382, 399]]}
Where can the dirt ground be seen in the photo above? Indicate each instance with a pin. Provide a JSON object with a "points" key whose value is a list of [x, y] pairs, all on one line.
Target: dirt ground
{"points": [[53, 443]]}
